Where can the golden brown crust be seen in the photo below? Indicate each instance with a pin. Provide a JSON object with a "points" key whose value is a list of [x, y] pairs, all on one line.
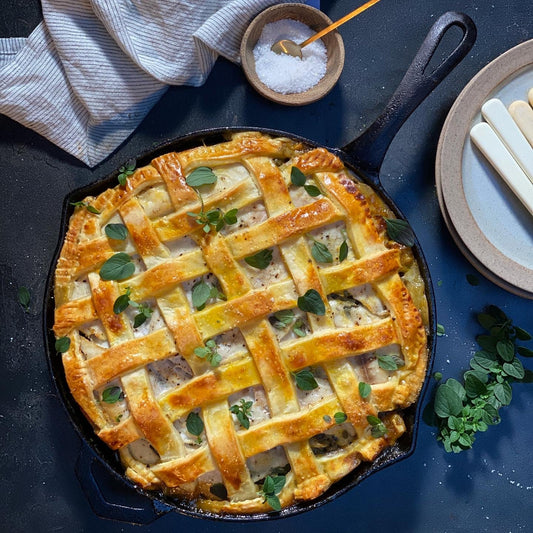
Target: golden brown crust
{"points": [[162, 379]]}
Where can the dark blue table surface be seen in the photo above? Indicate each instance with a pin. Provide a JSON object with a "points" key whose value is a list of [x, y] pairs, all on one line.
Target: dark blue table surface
{"points": [[489, 488]]}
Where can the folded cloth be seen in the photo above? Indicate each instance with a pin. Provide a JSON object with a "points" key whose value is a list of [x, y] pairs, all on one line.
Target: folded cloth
{"points": [[90, 72]]}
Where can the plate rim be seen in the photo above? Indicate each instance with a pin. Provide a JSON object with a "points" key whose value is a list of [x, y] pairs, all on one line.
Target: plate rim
{"points": [[448, 176]]}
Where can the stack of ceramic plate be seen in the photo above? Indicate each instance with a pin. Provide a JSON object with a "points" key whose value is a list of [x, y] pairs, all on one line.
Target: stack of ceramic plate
{"points": [[489, 224]]}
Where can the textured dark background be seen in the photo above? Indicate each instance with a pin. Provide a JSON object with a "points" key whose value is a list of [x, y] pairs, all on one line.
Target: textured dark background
{"points": [[487, 489]]}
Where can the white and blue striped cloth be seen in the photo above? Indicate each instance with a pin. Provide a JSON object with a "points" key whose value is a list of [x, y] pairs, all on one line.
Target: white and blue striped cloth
{"points": [[91, 71]]}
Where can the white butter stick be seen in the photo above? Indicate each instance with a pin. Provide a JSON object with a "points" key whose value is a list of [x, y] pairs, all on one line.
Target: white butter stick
{"points": [[495, 113], [522, 114], [503, 162]]}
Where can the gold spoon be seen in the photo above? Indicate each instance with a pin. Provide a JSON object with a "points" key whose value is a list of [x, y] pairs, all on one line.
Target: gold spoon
{"points": [[286, 46]]}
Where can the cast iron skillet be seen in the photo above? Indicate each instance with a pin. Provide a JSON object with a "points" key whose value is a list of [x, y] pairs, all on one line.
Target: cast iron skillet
{"points": [[364, 156]]}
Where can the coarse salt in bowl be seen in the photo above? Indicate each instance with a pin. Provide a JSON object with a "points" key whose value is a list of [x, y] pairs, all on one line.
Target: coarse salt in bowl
{"points": [[284, 73], [286, 79]]}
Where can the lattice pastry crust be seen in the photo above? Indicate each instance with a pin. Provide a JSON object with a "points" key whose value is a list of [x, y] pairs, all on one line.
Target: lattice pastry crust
{"points": [[374, 299]]}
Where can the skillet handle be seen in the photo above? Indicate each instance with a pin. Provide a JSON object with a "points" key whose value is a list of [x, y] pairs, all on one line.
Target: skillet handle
{"points": [[141, 511], [369, 149]]}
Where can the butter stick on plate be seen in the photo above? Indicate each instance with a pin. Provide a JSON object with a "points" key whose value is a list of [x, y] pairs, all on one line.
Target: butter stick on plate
{"points": [[484, 137], [496, 114], [522, 114]]}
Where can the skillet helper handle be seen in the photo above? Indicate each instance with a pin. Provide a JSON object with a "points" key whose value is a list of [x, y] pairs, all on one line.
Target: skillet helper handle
{"points": [[146, 513], [369, 149]]}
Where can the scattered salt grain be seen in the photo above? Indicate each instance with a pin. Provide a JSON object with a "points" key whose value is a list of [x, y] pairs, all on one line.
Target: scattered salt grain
{"points": [[283, 73]]}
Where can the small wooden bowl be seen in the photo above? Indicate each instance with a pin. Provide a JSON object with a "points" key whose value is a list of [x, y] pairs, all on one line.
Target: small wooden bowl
{"points": [[317, 21]]}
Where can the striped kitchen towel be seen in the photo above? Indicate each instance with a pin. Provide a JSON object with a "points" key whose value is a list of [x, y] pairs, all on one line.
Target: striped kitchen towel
{"points": [[90, 72]]}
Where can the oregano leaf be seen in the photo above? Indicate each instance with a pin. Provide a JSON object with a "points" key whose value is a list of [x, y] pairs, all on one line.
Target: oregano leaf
{"points": [[62, 344], [311, 302], [400, 231], [112, 395], [305, 380], [201, 176], [447, 402], [505, 350], [343, 251], [390, 362], [119, 232], [297, 177], [524, 352], [201, 292], [312, 190], [340, 417], [321, 253], [364, 389], [117, 267], [194, 424], [260, 260], [514, 369], [24, 298], [283, 318]]}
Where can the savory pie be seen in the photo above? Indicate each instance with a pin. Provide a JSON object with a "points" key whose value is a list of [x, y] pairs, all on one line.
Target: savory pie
{"points": [[242, 328]]}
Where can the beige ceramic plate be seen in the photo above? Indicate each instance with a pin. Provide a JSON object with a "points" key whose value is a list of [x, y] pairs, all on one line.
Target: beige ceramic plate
{"points": [[488, 223]]}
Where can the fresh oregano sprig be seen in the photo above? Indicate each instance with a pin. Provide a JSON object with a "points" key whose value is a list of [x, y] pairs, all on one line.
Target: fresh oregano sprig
{"points": [[87, 206], [209, 353], [459, 410], [202, 292], [378, 428], [144, 312], [285, 318], [214, 218], [298, 179], [126, 171], [243, 412], [272, 486]]}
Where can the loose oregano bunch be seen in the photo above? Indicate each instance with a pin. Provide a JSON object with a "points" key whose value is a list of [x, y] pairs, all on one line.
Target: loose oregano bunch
{"points": [[460, 410]]}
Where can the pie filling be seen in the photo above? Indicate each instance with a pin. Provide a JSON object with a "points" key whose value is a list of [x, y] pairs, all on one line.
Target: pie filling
{"points": [[254, 332]]}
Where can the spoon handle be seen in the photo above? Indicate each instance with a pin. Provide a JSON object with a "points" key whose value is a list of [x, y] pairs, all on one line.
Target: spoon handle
{"points": [[344, 19]]}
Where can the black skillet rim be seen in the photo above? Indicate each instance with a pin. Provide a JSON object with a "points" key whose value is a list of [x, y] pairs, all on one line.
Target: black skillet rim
{"points": [[402, 449]]}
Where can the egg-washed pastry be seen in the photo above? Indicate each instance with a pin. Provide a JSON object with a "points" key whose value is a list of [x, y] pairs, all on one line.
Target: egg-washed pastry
{"points": [[242, 328]]}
